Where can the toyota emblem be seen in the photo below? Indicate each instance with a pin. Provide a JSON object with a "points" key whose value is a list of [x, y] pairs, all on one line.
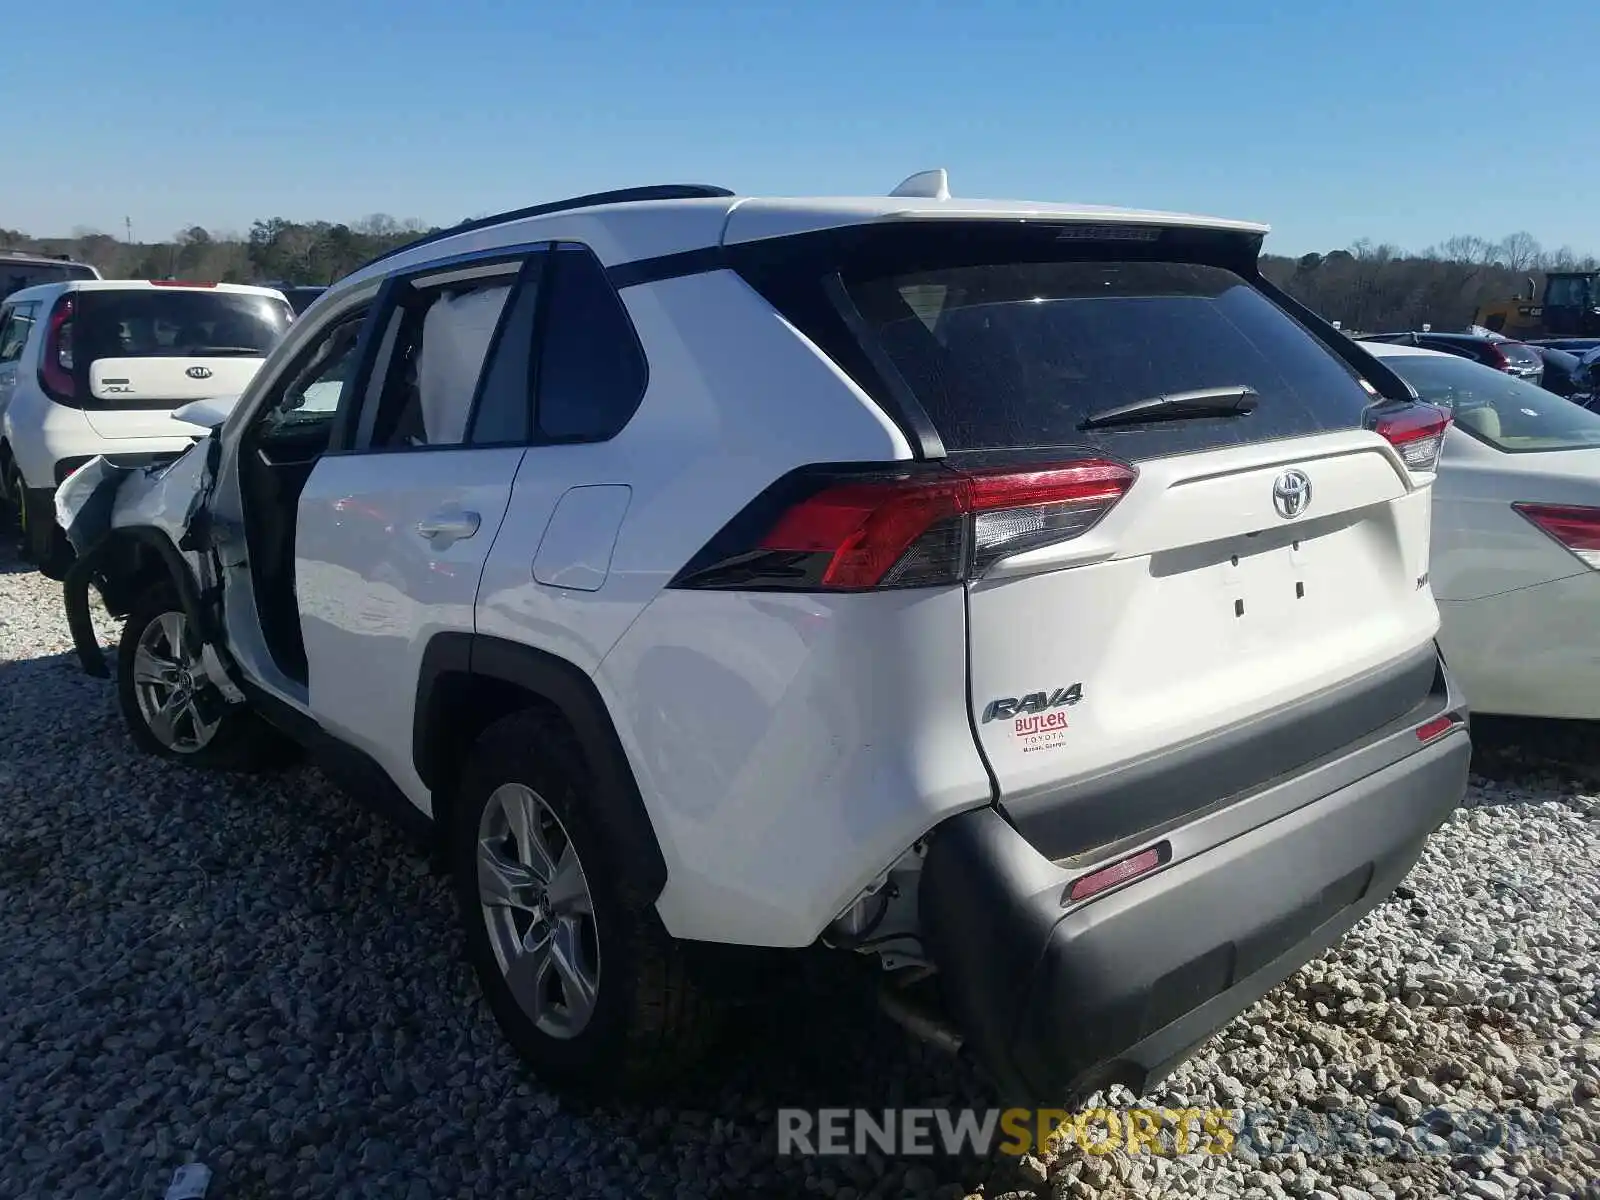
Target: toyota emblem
{"points": [[1291, 494], [198, 372]]}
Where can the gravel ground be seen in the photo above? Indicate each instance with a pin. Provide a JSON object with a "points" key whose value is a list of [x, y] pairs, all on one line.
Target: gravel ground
{"points": [[260, 976]]}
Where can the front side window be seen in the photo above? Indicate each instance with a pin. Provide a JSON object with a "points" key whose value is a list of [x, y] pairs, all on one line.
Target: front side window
{"points": [[1497, 408], [305, 408]]}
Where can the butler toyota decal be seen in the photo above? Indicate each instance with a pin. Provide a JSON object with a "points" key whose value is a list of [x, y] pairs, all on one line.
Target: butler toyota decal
{"points": [[1036, 718]]}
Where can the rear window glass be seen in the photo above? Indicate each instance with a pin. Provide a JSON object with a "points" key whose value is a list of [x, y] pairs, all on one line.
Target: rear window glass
{"points": [[1497, 408], [1519, 355], [169, 324], [1019, 354]]}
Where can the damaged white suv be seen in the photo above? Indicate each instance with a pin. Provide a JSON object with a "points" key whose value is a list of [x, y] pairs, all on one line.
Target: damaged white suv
{"points": [[1030, 599]]}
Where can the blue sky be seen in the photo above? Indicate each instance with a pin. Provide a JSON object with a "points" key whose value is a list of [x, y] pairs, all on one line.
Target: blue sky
{"points": [[1397, 120]]}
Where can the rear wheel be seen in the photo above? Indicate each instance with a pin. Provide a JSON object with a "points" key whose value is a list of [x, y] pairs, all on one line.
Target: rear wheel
{"points": [[593, 994], [10, 497], [171, 708], [43, 541]]}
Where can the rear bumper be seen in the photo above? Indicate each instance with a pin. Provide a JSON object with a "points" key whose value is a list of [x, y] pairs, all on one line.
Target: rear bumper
{"points": [[1059, 1000]]}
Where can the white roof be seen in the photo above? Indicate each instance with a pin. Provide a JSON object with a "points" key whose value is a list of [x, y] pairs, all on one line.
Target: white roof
{"points": [[42, 291], [631, 230]]}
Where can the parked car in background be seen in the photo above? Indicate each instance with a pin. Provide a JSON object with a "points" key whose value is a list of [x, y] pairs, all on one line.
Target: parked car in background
{"points": [[19, 269], [97, 366], [1564, 374], [1575, 345], [1502, 354], [1516, 537], [709, 574]]}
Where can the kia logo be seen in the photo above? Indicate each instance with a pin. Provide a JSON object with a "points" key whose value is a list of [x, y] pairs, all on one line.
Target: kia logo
{"points": [[1291, 494], [198, 372]]}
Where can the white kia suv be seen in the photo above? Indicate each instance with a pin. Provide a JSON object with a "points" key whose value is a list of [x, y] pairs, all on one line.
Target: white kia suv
{"points": [[1027, 599], [91, 367]]}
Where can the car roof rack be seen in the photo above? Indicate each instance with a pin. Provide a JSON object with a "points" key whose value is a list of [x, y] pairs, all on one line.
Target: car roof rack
{"points": [[633, 195]]}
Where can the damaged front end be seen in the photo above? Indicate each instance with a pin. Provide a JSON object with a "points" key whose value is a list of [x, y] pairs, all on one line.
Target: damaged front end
{"points": [[126, 516]]}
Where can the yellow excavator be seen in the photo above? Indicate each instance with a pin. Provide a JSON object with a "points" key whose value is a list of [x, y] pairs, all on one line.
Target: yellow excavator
{"points": [[1570, 307]]}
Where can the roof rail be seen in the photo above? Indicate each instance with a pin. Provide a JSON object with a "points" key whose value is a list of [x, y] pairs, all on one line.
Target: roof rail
{"points": [[663, 191]]}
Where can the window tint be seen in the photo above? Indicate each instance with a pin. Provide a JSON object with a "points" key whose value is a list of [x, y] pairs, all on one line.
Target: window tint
{"points": [[432, 373], [170, 323], [1567, 292], [505, 403], [14, 330], [1008, 355], [311, 395], [1497, 408], [15, 276], [592, 371]]}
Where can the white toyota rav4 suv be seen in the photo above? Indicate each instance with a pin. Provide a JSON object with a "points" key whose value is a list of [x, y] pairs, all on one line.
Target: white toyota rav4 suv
{"points": [[1028, 598], [92, 367]]}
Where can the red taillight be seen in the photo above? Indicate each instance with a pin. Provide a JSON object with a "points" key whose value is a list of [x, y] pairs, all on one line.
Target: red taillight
{"points": [[1576, 529], [1417, 432], [1497, 357], [1437, 727], [916, 531], [57, 373], [1106, 878]]}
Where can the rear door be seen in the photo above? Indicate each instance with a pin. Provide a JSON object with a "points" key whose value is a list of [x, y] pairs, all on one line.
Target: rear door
{"points": [[396, 521], [145, 351], [1248, 594]]}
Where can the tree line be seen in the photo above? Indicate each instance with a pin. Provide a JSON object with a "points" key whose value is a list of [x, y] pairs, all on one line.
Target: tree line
{"points": [[275, 250], [1370, 288], [1365, 286]]}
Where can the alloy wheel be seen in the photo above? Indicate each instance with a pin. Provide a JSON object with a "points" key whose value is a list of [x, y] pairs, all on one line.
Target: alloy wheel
{"points": [[167, 678], [537, 909]]}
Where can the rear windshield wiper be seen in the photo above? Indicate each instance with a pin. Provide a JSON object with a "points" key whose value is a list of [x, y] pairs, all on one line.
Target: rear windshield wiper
{"points": [[219, 351], [1233, 401]]}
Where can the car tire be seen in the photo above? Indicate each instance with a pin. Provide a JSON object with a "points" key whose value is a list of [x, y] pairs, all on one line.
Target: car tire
{"points": [[593, 993], [202, 729], [44, 543], [11, 494]]}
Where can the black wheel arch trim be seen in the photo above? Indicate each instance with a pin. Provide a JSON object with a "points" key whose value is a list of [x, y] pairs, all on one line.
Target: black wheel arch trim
{"points": [[90, 565], [453, 659]]}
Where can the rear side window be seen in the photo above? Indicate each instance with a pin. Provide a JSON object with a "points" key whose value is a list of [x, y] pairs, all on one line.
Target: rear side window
{"points": [[1507, 413], [592, 373], [1018, 354], [159, 323], [16, 276], [15, 326]]}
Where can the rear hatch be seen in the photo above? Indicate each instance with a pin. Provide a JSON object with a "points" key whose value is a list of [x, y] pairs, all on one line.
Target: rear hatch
{"points": [[149, 350], [1212, 570]]}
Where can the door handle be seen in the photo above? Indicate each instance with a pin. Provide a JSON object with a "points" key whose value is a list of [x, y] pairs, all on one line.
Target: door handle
{"points": [[443, 528]]}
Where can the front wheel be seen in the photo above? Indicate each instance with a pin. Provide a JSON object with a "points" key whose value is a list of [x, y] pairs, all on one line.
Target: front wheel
{"points": [[171, 708], [593, 994]]}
